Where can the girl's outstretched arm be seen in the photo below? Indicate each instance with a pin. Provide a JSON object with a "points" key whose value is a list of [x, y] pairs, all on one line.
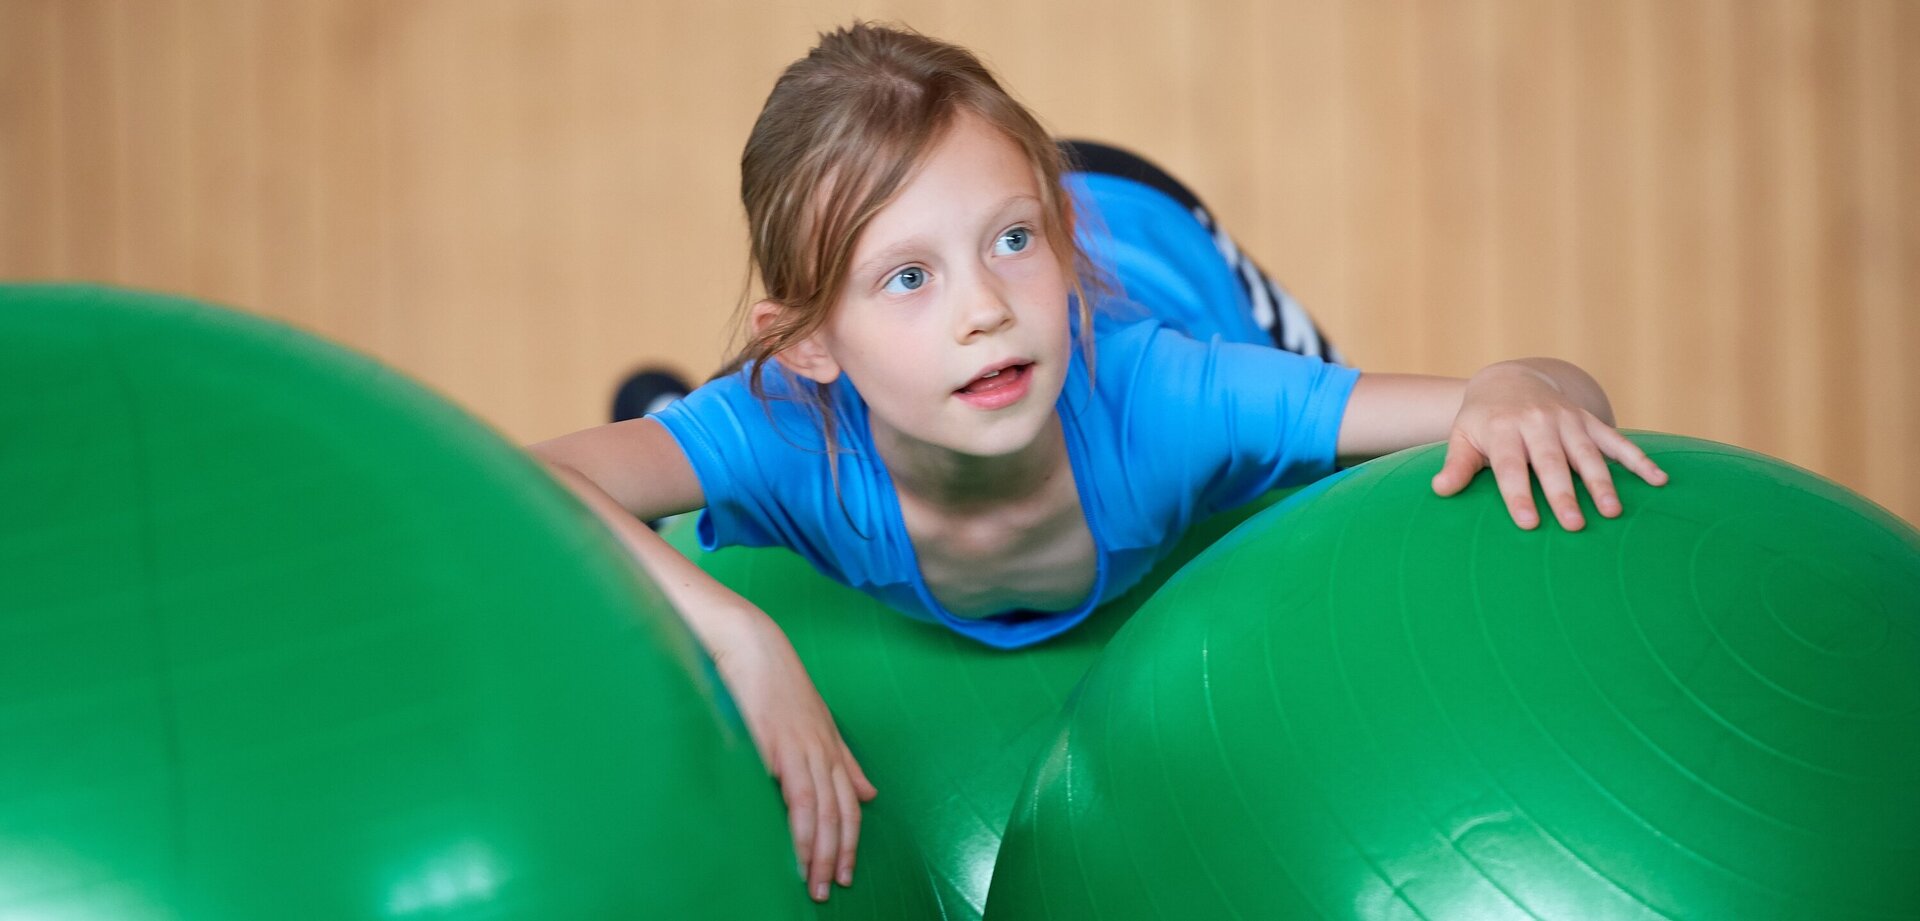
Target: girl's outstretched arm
{"points": [[1538, 414], [634, 470]]}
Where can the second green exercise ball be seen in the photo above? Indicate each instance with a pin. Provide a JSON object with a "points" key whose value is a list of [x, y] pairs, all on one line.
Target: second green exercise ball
{"points": [[1369, 703]]}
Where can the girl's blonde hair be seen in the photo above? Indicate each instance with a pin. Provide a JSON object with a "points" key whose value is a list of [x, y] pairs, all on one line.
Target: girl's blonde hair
{"points": [[839, 135]]}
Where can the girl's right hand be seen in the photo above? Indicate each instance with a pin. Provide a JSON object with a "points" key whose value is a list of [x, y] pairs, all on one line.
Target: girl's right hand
{"points": [[790, 724], [802, 748]]}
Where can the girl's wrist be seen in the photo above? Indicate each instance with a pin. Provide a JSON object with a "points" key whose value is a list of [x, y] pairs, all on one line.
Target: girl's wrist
{"points": [[1518, 369], [1565, 379], [727, 625]]}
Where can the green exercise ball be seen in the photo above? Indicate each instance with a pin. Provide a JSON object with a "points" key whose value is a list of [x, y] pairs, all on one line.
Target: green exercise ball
{"points": [[283, 635], [945, 727], [1371, 703]]}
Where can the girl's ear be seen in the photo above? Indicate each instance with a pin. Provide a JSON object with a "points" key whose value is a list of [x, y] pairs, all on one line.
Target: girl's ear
{"points": [[808, 357]]}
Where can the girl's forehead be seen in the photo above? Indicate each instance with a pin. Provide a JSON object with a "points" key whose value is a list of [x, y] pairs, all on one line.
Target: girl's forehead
{"points": [[972, 174]]}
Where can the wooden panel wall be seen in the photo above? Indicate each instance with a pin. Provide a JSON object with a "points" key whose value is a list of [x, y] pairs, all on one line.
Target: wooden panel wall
{"points": [[1712, 204]]}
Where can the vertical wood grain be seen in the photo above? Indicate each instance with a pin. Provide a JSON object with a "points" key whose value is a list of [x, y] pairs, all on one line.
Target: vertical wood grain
{"points": [[1709, 203]]}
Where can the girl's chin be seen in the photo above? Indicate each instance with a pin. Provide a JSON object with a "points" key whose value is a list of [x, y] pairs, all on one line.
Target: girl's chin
{"points": [[1010, 436]]}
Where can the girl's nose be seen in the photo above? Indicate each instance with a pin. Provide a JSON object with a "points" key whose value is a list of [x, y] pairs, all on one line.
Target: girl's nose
{"points": [[986, 311]]}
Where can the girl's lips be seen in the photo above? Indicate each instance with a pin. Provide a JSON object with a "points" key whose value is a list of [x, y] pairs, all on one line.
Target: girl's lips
{"points": [[1000, 390]]}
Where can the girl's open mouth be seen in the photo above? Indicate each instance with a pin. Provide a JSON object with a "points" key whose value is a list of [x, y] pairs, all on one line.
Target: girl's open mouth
{"points": [[998, 389]]}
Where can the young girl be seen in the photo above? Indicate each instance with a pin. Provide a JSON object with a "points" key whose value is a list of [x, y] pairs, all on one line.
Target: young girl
{"points": [[942, 401]]}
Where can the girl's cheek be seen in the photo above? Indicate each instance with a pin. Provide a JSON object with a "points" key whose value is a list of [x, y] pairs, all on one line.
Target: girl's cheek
{"points": [[1030, 263]]}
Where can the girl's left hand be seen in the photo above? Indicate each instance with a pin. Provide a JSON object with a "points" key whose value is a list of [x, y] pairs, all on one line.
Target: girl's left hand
{"points": [[1514, 417]]}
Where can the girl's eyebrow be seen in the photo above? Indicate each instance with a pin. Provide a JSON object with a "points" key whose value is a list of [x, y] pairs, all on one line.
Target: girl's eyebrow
{"points": [[1012, 200], [887, 256], [901, 249]]}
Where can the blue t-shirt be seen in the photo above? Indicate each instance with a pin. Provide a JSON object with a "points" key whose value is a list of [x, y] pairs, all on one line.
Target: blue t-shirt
{"points": [[1172, 429], [1167, 265]]}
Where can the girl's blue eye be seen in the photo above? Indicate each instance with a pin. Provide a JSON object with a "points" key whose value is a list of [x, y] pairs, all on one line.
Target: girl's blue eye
{"points": [[906, 280], [1013, 241]]}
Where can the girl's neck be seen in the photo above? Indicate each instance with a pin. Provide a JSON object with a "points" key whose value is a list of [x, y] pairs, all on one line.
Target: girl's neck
{"points": [[965, 483]]}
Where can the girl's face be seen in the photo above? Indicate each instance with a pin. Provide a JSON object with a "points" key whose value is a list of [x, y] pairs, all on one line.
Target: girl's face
{"points": [[953, 320]]}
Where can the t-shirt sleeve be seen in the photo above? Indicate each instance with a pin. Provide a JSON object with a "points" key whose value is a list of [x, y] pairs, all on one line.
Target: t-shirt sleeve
{"points": [[1223, 422], [745, 454]]}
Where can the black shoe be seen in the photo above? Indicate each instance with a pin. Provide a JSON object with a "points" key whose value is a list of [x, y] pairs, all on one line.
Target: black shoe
{"points": [[646, 391]]}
